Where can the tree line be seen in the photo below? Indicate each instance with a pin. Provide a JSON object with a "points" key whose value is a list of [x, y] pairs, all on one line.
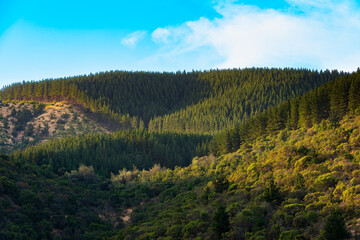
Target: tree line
{"points": [[196, 102], [330, 101], [111, 152]]}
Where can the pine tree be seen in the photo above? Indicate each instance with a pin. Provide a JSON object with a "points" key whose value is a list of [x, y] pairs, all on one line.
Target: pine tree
{"points": [[294, 115], [354, 94], [340, 96], [335, 228], [221, 222], [305, 112], [320, 105]]}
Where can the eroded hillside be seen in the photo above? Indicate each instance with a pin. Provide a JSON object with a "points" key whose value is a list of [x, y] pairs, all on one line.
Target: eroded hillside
{"points": [[24, 123]]}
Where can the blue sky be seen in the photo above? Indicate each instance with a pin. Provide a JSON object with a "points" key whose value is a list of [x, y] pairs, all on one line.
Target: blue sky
{"points": [[48, 39]]}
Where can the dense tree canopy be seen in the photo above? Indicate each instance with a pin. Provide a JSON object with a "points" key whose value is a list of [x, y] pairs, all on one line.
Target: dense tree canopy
{"points": [[197, 102], [330, 101], [111, 152], [290, 171]]}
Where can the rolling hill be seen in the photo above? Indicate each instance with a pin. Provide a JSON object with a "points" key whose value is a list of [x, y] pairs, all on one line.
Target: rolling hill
{"points": [[289, 169], [194, 102], [290, 184]]}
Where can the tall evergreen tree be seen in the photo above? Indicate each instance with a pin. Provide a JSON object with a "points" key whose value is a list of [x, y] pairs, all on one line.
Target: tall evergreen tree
{"points": [[221, 222], [354, 94]]}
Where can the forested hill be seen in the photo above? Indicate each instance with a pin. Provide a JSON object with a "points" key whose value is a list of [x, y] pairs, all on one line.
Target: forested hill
{"points": [[197, 102], [122, 149], [301, 182], [331, 102]]}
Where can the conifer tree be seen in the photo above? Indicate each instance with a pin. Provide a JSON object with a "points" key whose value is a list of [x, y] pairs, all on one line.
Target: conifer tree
{"points": [[305, 112], [294, 114], [354, 94], [339, 97], [334, 228], [221, 222]]}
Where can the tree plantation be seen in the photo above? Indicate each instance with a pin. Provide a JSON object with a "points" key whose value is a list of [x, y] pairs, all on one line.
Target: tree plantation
{"points": [[197, 102], [222, 154]]}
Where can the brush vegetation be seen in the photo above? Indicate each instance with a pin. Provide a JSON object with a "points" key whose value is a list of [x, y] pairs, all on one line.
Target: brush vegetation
{"points": [[288, 167]]}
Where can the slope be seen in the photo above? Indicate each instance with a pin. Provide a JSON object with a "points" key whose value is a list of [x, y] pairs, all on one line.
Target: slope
{"points": [[297, 184], [330, 101], [292, 184], [122, 149], [29, 123], [197, 102]]}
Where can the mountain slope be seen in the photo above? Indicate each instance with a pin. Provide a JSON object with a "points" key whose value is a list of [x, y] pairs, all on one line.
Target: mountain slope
{"points": [[329, 101], [236, 95], [296, 184], [291, 172], [122, 149], [29, 123], [202, 102], [291, 185]]}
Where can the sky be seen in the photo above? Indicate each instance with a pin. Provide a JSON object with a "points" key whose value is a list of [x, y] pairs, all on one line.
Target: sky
{"points": [[41, 39]]}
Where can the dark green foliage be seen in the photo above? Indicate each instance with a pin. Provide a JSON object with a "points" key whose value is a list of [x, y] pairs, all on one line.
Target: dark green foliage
{"points": [[221, 223], [278, 202], [201, 102], [305, 119], [44, 193], [237, 94], [294, 115], [29, 131], [221, 183], [39, 109], [21, 118], [291, 235], [354, 95], [334, 119], [334, 228], [299, 181], [60, 122], [45, 130], [7, 186], [319, 105], [206, 196], [339, 96], [272, 192], [112, 152], [330, 101], [37, 204]]}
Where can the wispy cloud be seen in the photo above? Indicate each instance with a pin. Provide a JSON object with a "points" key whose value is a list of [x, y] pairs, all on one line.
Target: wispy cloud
{"points": [[132, 39], [314, 34], [160, 35]]}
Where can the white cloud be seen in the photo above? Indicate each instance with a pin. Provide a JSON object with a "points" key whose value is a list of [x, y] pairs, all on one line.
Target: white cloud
{"points": [[131, 39], [160, 35], [313, 34]]}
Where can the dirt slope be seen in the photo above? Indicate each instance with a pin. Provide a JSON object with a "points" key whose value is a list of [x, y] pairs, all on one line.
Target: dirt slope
{"points": [[24, 123]]}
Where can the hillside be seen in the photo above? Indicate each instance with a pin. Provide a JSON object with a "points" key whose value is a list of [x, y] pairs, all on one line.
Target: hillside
{"points": [[122, 149], [290, 171], [294, 184], [331, 101], [29, 123], [298, 184], [194, 102]]}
